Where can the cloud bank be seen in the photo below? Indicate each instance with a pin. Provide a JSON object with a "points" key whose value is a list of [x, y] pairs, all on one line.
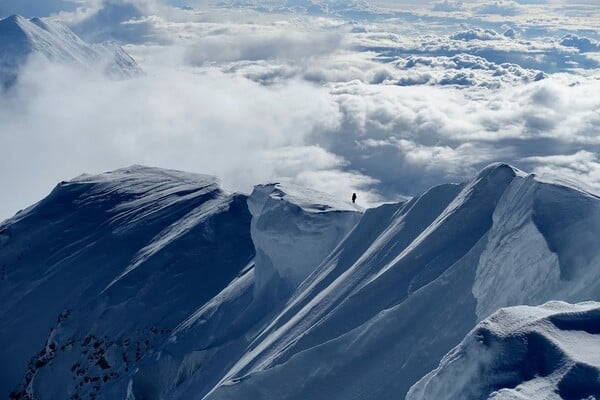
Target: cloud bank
{"points": [[367, 105]]}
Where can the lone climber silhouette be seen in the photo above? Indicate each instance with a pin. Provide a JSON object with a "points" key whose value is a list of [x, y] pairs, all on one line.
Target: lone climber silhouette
{"points": [[353, 197]]}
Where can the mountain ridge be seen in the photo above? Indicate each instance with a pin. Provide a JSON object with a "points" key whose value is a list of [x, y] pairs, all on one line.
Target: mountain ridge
{"points": [[292, 280]]}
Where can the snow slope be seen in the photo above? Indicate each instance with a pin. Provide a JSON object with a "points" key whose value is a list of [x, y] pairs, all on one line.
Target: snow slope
{"points": [[153, 284], [100, 272], [546, 352], [121, 265], [21, 38], [292, 229], [412, 279]]}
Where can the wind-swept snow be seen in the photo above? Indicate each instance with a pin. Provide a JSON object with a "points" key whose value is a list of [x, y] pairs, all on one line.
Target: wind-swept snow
{"points": [[545, 352], [21, 38], [293, 230], [406, 285], [110, 264], [540, 247], [148, 281]]}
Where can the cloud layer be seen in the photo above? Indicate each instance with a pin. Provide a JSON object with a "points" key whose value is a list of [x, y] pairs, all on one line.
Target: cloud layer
{"points": [[367, 105]]}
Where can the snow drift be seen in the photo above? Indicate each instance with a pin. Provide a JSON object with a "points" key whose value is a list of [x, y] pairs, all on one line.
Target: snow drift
{"points": [[21, 39], [162, 285], [545, 352], [293, 230]]}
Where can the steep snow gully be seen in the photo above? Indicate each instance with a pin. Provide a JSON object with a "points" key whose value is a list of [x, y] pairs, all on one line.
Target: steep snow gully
{"points": [[153, 284]]}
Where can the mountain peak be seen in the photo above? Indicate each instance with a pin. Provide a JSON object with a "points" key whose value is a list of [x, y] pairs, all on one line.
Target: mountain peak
{"points": [[497, 167], [11, 25], [13, 19], [15, 24], [137, 177], [20, 38]]}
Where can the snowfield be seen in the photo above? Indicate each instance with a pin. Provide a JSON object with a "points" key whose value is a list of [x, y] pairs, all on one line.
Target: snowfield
{"points": [[151, 284], [544, 352]]}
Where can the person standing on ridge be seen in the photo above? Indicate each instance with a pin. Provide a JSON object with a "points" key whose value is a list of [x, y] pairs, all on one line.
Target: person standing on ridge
{"points": [[353, 198]]}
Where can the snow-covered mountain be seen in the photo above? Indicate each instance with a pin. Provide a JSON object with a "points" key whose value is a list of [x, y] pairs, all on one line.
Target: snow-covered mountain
{"points": [[152, 284], [21, 38], [412, 279]]}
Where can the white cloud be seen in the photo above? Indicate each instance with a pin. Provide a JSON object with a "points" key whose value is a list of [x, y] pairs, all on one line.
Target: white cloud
{"points": [[583, 44], [261, 45], [321, 101], [411, 139], [581, 168], [476, 34], [64, 122], [501, 7], [314, 167]]}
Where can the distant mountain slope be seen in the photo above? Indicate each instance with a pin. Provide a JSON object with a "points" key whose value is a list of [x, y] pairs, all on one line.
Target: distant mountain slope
{"points": [[158, 284], [545, 352], [21, 38]]}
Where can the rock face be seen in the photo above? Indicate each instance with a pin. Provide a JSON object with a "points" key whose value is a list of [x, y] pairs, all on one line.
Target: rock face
{"points": [[159, 284], [544, 352], [21, 39]]}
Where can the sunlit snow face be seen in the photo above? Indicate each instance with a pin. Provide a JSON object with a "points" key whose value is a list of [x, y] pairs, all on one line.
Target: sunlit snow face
{"points": [[381, 98]]}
